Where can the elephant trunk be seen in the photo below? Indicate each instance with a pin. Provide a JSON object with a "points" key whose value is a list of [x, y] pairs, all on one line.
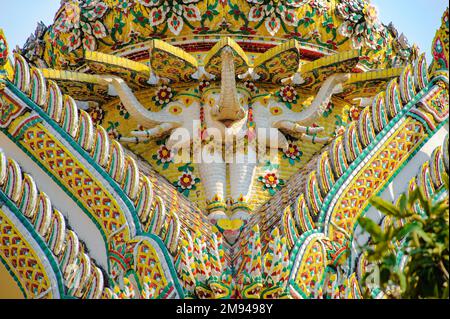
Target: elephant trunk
{"points": [[331, 86], [228, 110], [135, 108]]}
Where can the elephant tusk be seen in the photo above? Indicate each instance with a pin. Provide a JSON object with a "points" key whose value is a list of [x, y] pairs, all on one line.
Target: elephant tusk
{"points": [[135, 140], [316, 140], [276, 141], [147, 135], [157, 131], [295, 127]]}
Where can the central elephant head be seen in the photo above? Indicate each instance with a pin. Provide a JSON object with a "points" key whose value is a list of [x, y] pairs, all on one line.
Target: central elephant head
{"points": [[225, 98]]}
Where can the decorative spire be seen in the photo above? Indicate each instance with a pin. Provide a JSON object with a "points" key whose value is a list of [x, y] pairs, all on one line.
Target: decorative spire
{"points": [[440, 46], [4, 51]]}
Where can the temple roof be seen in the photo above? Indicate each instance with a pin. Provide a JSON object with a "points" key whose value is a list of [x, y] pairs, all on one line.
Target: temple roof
{"points": [[125, 27]]}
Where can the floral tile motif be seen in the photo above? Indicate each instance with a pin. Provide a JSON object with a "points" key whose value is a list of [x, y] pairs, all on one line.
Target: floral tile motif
{"points": [[187, 181], [293, 154], [97, 114], [288, 95], [361, 24], [163, 157], [163, 96], [271, 181]]}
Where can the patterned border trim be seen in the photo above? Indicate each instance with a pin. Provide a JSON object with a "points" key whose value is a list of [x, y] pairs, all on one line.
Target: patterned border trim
{"points": [[47, 227]]}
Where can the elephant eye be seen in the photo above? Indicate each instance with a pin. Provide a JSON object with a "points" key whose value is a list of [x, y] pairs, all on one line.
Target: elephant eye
{"points": [[276, 110], [175, 110]]}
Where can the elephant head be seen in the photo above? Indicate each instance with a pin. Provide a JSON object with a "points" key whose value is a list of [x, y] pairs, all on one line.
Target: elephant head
{"points": [[227, 109]]}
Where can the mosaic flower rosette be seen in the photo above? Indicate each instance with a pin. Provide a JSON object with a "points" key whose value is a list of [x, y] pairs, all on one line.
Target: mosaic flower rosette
{"points": [[293, 154], [164, 157], [163, 96], [187, 181], [288, 95], [270, 179]]}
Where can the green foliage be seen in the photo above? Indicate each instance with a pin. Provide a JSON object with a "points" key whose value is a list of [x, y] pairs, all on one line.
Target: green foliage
{"points": [[421, 235]]}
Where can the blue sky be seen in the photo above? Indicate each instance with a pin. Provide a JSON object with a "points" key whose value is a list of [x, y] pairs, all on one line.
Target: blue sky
{"points": [[18, 18], [417, 19]]}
